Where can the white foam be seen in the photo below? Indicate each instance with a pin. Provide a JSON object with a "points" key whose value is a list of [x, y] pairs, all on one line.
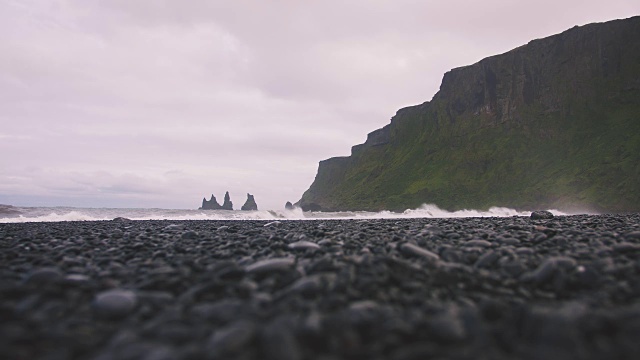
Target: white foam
{"points": [[93, 214], [53, 217]]}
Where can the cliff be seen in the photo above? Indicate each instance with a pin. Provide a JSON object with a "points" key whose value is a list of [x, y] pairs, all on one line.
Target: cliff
{"points": [[551, 124]]}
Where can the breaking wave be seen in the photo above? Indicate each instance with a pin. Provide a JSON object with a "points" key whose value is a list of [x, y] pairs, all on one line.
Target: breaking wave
{"points": [[48, 214]]}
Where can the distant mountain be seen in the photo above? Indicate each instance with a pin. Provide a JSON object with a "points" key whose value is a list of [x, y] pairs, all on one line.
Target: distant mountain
{"points": [[551, 124]]}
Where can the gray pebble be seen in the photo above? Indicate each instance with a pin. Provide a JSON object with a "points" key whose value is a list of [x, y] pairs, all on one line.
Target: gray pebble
{"points": [[45, 276], [270, 265], [541, 215], [635, 235], [231, 339], [487, 259], [478, 243], [115, 303], [626, 247], [303, 245], [548, 268], [415, 250], [190, 234]]}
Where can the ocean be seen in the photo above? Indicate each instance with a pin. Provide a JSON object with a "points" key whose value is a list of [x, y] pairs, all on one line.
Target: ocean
{"points": [[11, 214]]}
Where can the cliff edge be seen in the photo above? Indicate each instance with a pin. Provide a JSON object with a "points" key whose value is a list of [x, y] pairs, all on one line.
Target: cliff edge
{"points": [[554, 123]]}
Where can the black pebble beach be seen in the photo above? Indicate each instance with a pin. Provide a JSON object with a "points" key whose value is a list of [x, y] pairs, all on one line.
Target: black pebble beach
{"points": [[474, 288]]}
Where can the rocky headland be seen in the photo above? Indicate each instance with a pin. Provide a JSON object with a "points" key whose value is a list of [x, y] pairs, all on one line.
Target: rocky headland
{"points": [[554, 123], [474, 288]]}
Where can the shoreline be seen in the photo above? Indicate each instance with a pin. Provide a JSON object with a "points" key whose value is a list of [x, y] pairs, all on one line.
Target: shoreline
{"points": [[465, 288]]}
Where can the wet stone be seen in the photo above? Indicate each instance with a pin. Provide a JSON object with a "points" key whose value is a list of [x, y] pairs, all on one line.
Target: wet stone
{"points": [[279, 342], [633, 235], [77, 279], [415, 250], [478, 243], [190, 235], [271, 265], [232, 339], [626, 247], [541, 215], [303, 245], [45, 276], [173, 227], [222, 311], [548, 268], [487, 259], [114, 303]]}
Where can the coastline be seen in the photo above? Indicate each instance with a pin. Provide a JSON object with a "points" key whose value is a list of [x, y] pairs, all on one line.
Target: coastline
{"points": [[468, 288]]}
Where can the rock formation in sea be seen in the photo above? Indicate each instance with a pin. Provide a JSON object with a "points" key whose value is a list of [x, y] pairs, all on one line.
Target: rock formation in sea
{"points": [[212, 204], [289, 206], [554, 123], [250, 204], [227, 205]]}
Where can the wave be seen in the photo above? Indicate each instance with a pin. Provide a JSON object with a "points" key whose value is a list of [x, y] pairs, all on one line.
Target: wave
{"points": [[37, 214]]}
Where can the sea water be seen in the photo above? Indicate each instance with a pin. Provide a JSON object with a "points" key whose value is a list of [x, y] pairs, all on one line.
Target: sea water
{"points": [[50, 214]]}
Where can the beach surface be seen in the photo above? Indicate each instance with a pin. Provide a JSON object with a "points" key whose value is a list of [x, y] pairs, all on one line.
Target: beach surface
{"points": [[470, 288]]}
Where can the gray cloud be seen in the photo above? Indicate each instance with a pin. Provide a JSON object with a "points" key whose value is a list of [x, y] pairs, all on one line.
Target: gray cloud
{"points": [[160, 102]]}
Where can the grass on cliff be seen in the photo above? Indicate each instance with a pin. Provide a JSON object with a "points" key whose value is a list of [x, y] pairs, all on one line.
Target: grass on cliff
{"points": [[587, 155]]}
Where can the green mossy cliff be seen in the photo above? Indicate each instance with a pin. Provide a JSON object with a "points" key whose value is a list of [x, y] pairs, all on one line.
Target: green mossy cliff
{"points": [[551, 124]]}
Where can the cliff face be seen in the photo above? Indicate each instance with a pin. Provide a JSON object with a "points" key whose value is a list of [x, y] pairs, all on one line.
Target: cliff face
{"points": [[554, 123]]}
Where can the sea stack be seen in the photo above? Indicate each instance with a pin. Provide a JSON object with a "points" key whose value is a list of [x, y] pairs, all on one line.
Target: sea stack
{"points": [[227, 205], [211, 204], [289, 205], [250, 204]]}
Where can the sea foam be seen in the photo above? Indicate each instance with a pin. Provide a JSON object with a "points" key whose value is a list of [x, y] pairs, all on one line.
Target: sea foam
{"points": [[41, 214]]}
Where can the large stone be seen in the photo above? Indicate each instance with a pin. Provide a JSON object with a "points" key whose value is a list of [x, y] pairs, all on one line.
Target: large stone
{"points": [[541, 215], [227, 205], [250, 204], [211, 204], [115, 303]]}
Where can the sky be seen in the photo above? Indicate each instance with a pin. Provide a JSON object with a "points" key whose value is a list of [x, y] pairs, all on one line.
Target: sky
{"points": [[159, 103]]}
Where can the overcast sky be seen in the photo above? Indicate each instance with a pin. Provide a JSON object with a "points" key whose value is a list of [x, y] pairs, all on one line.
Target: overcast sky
{"points": [[157, 103]]}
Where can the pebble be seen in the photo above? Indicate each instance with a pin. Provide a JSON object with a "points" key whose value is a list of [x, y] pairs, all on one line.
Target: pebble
{"points": [[279, 342], [415, 250], [190, 234], [633, 235], [303, 245], [541, 215], [45, 276], [115, 303], [478, 243], [232, 338], [626, 247], [548, 268], [487, 259], [271, 265]]}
